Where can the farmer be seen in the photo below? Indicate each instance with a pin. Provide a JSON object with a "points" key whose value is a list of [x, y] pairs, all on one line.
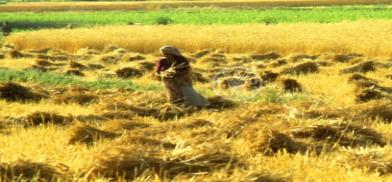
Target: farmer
{"points": [[175, 71], [5, 28]]}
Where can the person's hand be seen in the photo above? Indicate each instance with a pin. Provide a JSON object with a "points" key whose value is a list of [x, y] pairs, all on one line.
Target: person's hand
{"points": [[169, 73]]}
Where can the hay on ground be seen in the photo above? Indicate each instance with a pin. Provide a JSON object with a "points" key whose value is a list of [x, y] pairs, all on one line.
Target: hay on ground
{"points": [[73, 72], [43, 63], [109, 59], [130, 162], [128, 72], [356, 78], [83, 133], [364, 67], [14, 92], [342, 134], [22, 170], [267, 56], [269, 76], [198, 77], [218, 102], [377, 110], [268, 142], [291, 85], [253, 83], [198, 123], [302, 68], [368, 94], [93, 66], [130, 139], [202, 53], [231, 82], [76, 65], [118, 114], [133, 57], [39, 118], [13, 54], [75, 97], [371, 162], [279, 62], [121, 125], [300, 57]]}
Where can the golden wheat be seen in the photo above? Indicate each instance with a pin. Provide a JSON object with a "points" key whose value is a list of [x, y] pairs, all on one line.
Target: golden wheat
{"points": [[366, 37], [153, 5]]}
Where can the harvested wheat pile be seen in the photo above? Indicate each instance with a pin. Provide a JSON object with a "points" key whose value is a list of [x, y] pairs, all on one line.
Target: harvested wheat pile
{"points": [[73, 72], [13, 54], [118, 114], [215, 59], [341, 58], [369, 162], [326, 113], [267, 141], [253, 83], [342, 134], [302, 68], [162, 112], [300, 57], [94, 66], [14, 92], [291, 85], [208, 158], [279, 62], [267, 56], [377, 110], [389, 76], [368, 94], [128, 72], [125, 162], [143, 66], [39, 118], [358, 78], [87, 52], [368, 89], [364, 67], [75, 97], [83, 133], [133, 57], [202, 53], [231, 82], [269, 76], [121, 125], [198, 123], [76, 65], [218, 102], [41, 56], [130, 162], [43, 63], [110, 48], [109, 59], [23, 170], [131, 139], [198, 77]]}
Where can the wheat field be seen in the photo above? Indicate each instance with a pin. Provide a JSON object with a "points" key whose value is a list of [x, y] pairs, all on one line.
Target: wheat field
{"points": [[327, 128], [371, 38], [288, 102], [154, 5]]}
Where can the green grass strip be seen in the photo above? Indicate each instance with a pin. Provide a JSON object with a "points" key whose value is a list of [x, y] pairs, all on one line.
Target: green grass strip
{"points": [[53, 79], [32, 20]]}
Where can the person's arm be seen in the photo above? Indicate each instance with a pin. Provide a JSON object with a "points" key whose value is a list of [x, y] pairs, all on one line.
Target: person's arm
{"points": [[182, 67]]}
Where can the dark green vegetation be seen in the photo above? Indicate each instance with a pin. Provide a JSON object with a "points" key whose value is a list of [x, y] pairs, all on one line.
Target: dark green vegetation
{"points": [[31, 20], [53, 79]]}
